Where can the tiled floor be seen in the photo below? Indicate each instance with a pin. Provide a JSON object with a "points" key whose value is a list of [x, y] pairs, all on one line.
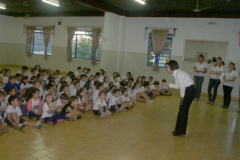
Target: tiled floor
{"points": [[143, 133]]}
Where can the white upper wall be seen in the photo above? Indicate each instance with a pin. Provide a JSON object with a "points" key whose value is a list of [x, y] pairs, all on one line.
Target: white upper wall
{"points": [[225, 30], [7, 28], [60, 32]]}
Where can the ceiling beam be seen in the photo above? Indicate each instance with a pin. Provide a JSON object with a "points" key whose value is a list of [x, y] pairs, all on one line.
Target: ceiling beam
{"points": [[102, 6]]}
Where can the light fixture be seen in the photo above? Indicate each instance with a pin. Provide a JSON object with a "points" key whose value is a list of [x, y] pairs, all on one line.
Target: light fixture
{"points": [[141, 1], [2, 7], [51, 2]]}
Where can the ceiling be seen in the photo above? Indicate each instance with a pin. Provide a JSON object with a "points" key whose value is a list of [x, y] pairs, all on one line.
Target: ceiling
{"points": [[129, 8]]}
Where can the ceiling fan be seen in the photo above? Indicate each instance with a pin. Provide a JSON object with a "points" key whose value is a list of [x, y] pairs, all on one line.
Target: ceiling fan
{"points": [[199, 10]]}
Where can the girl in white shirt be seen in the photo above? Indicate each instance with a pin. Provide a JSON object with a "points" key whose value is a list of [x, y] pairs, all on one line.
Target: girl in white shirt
{"points": [[200, 69], [100, 107], [83, 104], [126, 99], [74, 90], [214, 81], [106, 82], [229, 78], [99, 88], [7, 75], [49, 108], [137, 93], [65, 89], [24, 85]]}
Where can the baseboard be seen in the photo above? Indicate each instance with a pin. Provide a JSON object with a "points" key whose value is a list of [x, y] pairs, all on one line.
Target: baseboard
{"points": [[13, 65]]}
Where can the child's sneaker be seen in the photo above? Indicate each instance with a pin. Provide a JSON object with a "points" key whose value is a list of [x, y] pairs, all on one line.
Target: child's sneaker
{"points": [[238, 110], [79, 117], [33, 118], [21, 126], [127, 108], [134, 103], [39, 124], [149, 102], [50, 123], [71, 119], [132, 106]]}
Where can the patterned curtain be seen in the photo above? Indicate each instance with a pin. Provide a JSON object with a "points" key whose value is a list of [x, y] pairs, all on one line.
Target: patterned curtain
{"points": [[30, 33], [159, 38], [96, 33], [71, 32], [47, 32]]}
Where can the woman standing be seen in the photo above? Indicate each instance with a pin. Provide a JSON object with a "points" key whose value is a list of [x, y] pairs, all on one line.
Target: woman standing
{"points": [[214, 81], [200, 69], [187, 91], [228, 84]]}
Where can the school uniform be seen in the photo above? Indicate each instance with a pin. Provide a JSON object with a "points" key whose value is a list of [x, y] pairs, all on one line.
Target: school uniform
{"points": [[111, 79], [71, 86], [48, 116], [15, 85], [30, 76], [187, 92], [5, 80], [11, 110], [109, 96], [24, 86], [112, 102], [95, 96], [125, 98], [199, 78], [100, 79], [69, 80], [45, 78], [228, 86], [6, 98], [82, 83], [77, 74], [2, 111], [135, 92], [214, 82], [105, 84], [34, 105], [117, 84], [73, 92], [17, 81], [96, 109]]}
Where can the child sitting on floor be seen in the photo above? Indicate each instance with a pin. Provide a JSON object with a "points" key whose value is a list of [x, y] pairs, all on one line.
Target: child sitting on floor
{"points": [[100, 108], [34, 104], [49, 108], [70, 109], [14, 115], [61, 102], [115, 104], [126, 99], [83, 104]]}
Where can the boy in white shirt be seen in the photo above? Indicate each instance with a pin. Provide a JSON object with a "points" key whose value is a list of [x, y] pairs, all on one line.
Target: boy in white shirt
{"points": [[100, 88], [116, 82], [150, 80], [14, 115], [24, 69], [61, 102], [78, 72], [115, 104], [110, 93], [33, 72], [126, 99], [100, 107], [83, 79]]}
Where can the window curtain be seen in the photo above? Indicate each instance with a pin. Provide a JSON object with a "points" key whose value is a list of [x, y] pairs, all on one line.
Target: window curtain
{"points": [[47, 32], [30, 33], [71, 32], [96, 33], [159, 38]]}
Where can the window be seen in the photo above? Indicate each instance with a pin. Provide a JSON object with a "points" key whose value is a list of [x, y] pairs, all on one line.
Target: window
{"points": [[37, 45], [82, 46], [164, 56]]}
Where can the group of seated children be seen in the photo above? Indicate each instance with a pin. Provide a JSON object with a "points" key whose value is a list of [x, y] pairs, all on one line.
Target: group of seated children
{"points": [[49, 98]]}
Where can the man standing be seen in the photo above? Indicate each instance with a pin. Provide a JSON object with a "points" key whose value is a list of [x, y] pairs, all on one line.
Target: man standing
{"points": [[187, 91]]}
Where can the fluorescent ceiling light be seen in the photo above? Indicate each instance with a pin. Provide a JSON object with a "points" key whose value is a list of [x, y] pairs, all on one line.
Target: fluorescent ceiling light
{"points": [[140, 1], [2, 7], [51, 2]]}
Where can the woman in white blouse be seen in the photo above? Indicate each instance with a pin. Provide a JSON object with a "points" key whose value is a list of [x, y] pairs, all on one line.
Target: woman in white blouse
{"points": [[200, 69], [229, 78], [214, 81]]}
